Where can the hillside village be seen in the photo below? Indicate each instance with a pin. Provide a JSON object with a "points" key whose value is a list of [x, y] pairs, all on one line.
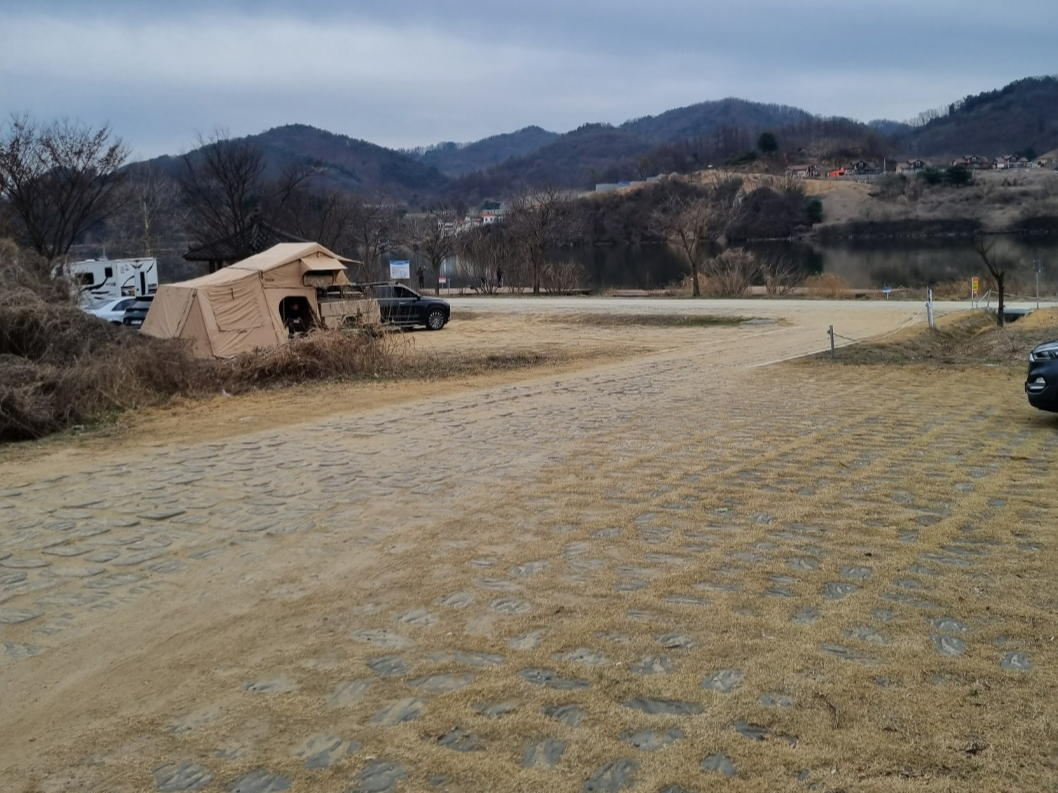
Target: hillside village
{"points": [[861, 169]]}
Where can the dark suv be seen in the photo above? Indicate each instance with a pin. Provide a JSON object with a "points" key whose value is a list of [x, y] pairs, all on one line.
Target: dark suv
{"points": [[401, 305], [1041, 384], [137, 312]]}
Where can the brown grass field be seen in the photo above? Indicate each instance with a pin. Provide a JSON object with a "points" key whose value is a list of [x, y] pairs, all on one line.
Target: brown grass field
{"points": [[638, 560]]}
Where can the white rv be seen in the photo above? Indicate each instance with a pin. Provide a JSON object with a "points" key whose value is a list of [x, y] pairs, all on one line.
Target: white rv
{"points": [[100, 280]]}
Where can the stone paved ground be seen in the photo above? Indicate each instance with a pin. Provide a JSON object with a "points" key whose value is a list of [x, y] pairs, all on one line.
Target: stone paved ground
{"points": [[668, 574]]}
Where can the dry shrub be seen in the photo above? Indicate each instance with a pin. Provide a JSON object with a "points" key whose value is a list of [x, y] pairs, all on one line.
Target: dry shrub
{"points": [[107, 369], [321, 355], [781, 276], [25, 270], [60, 367], [561, 277], [53, 333], [827, 285], [731, 273], [684, 287]]}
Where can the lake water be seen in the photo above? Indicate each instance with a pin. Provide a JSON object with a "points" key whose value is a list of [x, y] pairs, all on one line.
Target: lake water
{"points": [[913, 263]]}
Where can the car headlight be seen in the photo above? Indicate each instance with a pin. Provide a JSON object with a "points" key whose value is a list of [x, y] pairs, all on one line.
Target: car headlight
{"points": [[1048, 352]]}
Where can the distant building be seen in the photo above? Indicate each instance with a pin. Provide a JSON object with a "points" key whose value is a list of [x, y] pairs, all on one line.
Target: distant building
{"points": [[802, 171], [970, 161], [911, 166]]}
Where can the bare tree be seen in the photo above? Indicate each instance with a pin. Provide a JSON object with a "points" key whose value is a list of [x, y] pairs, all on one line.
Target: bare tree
{"points": [[539, 221], [695, 223], [433, 235], [59, 179], [484, 252], [222, 185], [327, 216], [372, 227], [998, 268], [151, 211], [686, 224]]}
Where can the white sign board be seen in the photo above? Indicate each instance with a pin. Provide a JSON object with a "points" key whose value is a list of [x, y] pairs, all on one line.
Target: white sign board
{"points": [[398, 270]]}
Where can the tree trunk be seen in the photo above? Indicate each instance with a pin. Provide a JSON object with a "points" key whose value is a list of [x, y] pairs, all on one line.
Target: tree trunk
{"points": [[1000, 290], [696, 290], [536, 277]]}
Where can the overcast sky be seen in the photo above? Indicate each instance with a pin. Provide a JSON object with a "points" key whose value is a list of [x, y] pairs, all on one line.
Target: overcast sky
{"points": [[405, 73]]}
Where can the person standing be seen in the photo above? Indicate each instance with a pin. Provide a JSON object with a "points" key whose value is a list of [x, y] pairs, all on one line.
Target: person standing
{"points": [[499, 278], [421, 273]]}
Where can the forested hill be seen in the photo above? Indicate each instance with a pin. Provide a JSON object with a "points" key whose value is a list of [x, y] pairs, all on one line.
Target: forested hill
{"points": [[350, 165], [706, 118], [642, 147], [1018, 117], [454, 159]]}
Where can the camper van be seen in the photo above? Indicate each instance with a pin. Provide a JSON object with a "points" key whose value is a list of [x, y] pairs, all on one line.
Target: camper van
{"points": [[100, 280]]}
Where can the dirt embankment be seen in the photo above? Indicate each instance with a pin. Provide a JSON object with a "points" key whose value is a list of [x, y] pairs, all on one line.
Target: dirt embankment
{"points": [[894, 205]]}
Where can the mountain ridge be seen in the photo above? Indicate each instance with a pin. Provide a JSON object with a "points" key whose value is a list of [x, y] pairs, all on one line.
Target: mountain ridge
{"points": [[1021, 116]]}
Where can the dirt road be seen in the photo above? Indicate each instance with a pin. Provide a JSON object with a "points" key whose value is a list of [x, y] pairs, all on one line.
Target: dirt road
{"points": [[665, 570]]}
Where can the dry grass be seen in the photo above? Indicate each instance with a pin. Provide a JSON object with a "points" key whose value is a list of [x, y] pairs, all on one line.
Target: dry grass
{"points": [[836, 465], [903, 719], [972, 341], [60, 367], [317, 356], [826, 285]]}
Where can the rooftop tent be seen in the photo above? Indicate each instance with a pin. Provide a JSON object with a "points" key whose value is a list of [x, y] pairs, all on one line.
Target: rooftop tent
{"points": [[238, 309]]}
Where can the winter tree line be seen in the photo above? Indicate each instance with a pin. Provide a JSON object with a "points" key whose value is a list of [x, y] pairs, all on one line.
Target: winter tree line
{"points": [[65, 186]]}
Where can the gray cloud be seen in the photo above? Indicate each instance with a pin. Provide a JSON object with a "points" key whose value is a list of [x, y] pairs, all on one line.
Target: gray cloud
{"points": [[419, 72]]}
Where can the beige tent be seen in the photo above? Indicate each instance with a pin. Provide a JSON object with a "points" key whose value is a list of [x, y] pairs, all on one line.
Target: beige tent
{"points": [[246, 305]]}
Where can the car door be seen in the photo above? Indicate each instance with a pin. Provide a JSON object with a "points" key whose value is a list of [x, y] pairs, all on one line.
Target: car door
{"points": [[405, 305], [387, 302], [117, 312]]}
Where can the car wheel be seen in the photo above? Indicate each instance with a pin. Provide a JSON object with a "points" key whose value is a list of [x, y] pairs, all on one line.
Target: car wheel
{"points": [[435, 320]]}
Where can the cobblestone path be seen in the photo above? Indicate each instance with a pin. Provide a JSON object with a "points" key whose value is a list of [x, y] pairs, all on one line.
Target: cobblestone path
{"points": [[664, 575]]}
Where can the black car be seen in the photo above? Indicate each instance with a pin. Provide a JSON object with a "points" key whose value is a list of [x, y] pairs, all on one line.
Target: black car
{"points": [[403, 306], [137, 312], [1041, 385]]}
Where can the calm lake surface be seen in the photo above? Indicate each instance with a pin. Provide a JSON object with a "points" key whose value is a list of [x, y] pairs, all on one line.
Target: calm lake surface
{"points": [[913, 263]]}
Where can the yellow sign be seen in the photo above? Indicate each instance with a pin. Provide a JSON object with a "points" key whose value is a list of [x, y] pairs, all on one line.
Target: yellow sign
{"points": [[975, 286]]}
